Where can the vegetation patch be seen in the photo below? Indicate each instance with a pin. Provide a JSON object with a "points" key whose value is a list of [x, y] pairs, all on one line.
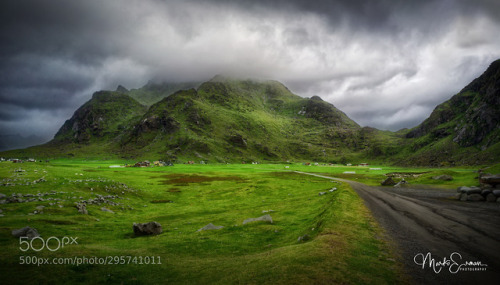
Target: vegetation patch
{"points": [[161, 201]]}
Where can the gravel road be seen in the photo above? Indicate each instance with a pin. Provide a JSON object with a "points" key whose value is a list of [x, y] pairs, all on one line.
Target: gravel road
{"points": [[421, 220]]}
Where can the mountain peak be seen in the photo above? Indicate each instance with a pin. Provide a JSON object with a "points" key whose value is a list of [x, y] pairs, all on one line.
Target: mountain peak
{"points": [[218, 78], [121, 89]]}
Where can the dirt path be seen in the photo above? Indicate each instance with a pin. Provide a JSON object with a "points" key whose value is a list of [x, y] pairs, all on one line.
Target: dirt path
{"points": [[424, 220]]}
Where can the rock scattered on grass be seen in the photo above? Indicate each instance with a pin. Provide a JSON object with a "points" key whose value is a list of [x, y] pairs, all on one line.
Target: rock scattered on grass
{"points": [[28, 232], [82, 208], [267, 211], [210, 227], [104, 209], [388, 182], [265, 218], [303, 238], [151, 228]]}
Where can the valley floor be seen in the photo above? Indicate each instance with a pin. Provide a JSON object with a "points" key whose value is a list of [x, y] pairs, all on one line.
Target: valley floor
{"points": [[314, 238]]}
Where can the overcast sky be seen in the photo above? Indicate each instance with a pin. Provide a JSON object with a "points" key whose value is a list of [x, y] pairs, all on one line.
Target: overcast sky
{"points": [[386, 64]]}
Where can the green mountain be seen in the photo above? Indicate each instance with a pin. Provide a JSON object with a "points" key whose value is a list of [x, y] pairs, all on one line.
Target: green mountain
{"points": [[102, 118], [227, 120], [223, 120], [462, 130]]}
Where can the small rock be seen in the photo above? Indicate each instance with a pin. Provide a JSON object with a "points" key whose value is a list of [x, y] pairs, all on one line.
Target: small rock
{"points": [[475, 197], [29, 232], [321, 193], [333, 189], [491, 198], [40, 208], [496, 193], [82, 208], [2, 196], [388, 182], [265, 218], [104, 209], [443, 177], [305, 237], [458, 196], [210, 227], [151, 228]]}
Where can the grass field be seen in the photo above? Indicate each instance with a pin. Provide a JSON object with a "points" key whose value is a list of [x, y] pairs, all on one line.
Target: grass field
{"points": [[343, 243]]}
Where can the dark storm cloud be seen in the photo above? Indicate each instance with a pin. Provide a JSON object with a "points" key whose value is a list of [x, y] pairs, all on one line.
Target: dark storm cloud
{"points": [[385, 63]]}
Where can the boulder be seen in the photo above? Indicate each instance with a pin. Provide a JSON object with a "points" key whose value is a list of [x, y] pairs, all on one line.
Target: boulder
{"points": [[28, 232], [491, 198], [388, 182], [496, 193], [485, 192], [265, 218], [473, 190], [463, 197], [490, 179], [458, 196], [475, 197], [143, 229], [469, 190], [210, 227], [443, 177]]}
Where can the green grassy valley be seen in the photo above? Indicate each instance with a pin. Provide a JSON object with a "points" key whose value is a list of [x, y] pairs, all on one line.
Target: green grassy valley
{"points": [[341, 242]]}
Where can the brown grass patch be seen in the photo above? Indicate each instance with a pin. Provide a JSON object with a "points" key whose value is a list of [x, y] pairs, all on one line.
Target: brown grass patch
{"points": [[161, 201]]}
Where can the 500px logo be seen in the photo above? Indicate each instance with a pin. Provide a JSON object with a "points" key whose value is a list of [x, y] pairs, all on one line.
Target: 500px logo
{"points": [[51, 243]]}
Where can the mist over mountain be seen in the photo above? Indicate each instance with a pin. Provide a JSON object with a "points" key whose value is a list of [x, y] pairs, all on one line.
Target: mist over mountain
{"points": [[226, 120]]}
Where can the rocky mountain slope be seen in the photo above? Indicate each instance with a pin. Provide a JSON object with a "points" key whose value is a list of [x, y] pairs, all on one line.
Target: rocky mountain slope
{"points": [[222, 120], [464, 129]]}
